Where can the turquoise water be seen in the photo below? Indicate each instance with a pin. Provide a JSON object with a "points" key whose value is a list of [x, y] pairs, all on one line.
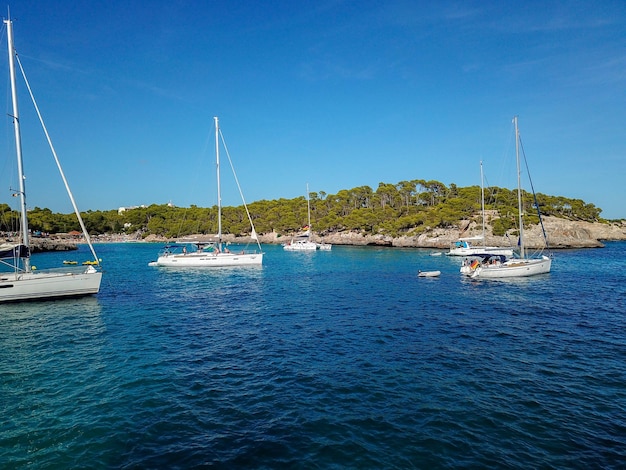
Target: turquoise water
{"points": [[342, 359]]}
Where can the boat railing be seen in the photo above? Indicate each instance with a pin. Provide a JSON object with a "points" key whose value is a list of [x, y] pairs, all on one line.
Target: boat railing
{"points": [[65, 269], [206, 248]]}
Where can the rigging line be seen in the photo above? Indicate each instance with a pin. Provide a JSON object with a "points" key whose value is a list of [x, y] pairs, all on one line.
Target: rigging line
{"points": [[253, 234], [488, 188], [543, 229], [56, 159]]}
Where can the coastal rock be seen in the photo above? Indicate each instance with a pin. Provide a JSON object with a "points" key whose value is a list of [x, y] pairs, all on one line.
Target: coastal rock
{"points": [[564, 233], [42, 245], [561, 233], [356, 239]]}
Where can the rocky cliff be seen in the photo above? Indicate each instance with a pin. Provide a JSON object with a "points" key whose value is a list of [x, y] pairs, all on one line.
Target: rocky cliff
{"points": [[561, 234], [39, 245]]}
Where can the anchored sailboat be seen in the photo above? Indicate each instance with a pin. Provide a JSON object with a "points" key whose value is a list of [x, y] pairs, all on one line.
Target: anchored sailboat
{"points": [[19, 281], [302, 242], [213, 253], [494, 266], [464, 246]]}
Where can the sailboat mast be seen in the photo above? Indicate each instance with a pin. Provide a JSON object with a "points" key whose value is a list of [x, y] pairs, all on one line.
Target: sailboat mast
{"points": [[18, 141], [308, 207], [219, 191], [482, 199], [519, 191]]}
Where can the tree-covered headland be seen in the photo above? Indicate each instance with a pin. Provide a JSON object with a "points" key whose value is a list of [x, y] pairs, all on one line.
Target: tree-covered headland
{"points": [[392, 209]]}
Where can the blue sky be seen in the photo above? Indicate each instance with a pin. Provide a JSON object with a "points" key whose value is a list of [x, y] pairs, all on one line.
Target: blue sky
{"points": [[331, 93]]}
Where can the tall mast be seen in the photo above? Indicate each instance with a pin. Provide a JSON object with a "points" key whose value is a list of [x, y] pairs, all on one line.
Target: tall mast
{"points": [[18, 141], [308, 207], [219, 191], [482, 200], [519, 192]]}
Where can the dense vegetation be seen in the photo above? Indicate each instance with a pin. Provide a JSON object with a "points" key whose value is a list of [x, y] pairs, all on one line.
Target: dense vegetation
{"points": [[408, 206]]}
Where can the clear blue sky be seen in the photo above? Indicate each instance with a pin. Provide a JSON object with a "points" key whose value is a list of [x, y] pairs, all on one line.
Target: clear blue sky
{"points": [[337, 94]]}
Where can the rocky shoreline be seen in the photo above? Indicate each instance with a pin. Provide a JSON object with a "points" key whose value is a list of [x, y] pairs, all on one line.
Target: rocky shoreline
{"points": [[561, 234], [42, 245]]}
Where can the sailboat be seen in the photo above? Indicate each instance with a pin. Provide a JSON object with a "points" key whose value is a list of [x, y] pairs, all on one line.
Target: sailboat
{"points": [[19, 280], [463, 246], [215, 253], [303, 241], [496, 266]]}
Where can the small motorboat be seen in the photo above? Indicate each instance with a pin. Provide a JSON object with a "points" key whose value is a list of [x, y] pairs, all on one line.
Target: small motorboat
{"points": [[428, 273], [70, 262]]}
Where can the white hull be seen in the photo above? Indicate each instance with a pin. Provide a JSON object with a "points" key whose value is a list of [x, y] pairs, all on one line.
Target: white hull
{"points": [[48, 285], [208, 260], [510, 268], [300, 245], [307, 246]]}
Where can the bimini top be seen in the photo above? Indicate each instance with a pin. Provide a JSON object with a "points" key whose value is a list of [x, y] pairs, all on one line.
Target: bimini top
{"points": [[486, 256], [8, 250]]}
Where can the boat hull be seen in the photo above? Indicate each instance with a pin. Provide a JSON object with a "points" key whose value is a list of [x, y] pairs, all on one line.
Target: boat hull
{"points": [[512, 268], [208, 260], [48, 285], [429, 273], [300, 246], [305, 245]]}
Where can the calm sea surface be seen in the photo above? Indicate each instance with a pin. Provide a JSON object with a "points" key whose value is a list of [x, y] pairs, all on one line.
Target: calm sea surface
{"points": [[341, 359]]}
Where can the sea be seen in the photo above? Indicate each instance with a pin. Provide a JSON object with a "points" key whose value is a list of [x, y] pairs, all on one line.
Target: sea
{"points": [[323, 360]]}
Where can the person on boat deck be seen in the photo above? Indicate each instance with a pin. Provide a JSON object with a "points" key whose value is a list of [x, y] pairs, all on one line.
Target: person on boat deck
{"points": [[226, 250], [184, 250]]}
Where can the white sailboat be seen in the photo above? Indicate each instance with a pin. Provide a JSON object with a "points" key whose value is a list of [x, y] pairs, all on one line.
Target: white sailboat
{"points": [[464, 246], [214, 253], [490, 266], [303, 241], [19, 280]]}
